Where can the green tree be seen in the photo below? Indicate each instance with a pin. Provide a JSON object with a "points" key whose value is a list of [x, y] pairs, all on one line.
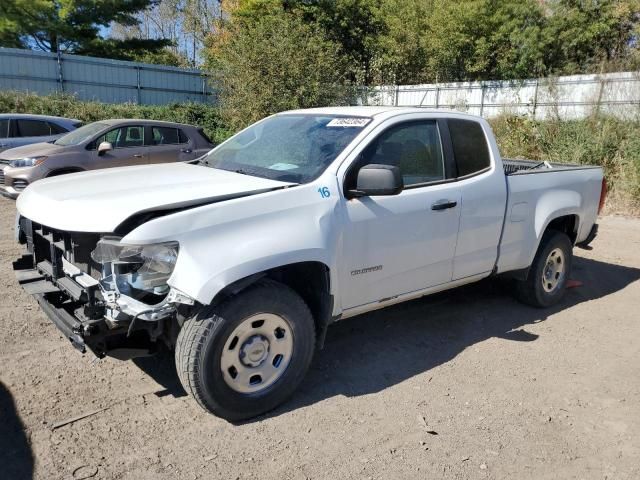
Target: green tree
{"points": [[484, 39], [166, 56], [274, 62], [73, 26], [402, 51], [429, 40], [592, 35], [355, 25]]}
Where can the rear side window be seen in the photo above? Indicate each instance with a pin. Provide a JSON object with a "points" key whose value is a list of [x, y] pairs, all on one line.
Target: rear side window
{"points": [[56, 129], [4, 128], [469, 146], [204, 135], [167, 136], [33, 128]]}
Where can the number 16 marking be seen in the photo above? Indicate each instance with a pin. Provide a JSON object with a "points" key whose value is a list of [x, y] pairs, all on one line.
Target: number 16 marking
{"points": [[324, 192]]}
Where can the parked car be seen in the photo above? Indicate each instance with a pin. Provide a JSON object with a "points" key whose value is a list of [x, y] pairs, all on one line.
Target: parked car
{"points": [[104, 144], [240, 261], [20, 129]]}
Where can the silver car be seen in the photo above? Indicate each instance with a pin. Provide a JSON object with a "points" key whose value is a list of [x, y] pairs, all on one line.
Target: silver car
{"points": [[20, 129], [103, 144]]}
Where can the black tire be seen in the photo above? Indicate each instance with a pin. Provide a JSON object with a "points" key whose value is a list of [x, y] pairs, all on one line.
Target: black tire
{"points": [[202, 339], [531, 291]]}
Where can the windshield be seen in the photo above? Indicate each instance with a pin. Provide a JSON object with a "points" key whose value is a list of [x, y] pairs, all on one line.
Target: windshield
{"points": [[289, 148], [80, 135]]}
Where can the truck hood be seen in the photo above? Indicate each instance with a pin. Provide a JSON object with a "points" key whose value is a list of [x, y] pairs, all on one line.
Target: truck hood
{"points": [[99, 201], [33, 150]]}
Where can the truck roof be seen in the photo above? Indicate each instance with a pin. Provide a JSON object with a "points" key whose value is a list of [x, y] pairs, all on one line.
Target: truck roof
{"points": [[373, 111]]}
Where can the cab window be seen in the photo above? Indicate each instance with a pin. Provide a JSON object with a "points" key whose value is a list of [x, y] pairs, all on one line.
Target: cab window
{"points": [[470, 147], [414, 147]]}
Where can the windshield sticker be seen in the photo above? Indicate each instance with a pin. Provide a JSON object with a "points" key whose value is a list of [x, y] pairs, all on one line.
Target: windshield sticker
{"points": [[348, 122], [283, 166]]}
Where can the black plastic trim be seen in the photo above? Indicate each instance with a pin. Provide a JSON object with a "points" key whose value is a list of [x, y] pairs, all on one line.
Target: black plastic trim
{"points": [[64, 321], [592, 235], [450, 166]]}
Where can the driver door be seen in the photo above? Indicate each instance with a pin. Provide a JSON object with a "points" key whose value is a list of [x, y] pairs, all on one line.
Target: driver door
{"points": [[128, 148], [394, 245]]}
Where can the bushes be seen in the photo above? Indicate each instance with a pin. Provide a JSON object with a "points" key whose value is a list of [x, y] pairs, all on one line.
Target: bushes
{"points": [[609, 142], [202, 115]]}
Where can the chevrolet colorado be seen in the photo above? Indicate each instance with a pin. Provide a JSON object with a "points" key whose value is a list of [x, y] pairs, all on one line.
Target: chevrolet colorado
{"points": [[240, 260]]}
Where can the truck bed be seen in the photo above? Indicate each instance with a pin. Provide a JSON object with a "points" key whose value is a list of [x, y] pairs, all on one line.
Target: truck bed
{"points": [[533, 198], [514, 166]]}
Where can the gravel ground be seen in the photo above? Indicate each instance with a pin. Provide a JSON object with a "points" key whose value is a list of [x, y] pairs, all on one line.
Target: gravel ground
{"points": [[466, 384]]}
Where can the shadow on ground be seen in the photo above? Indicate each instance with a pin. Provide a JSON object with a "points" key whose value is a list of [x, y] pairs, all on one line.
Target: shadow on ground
{"points": [[162, 368], [16, 458], [371, 352]]}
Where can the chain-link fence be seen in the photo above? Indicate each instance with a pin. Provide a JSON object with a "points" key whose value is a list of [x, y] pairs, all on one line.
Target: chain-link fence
{"points": [[570, 97]]}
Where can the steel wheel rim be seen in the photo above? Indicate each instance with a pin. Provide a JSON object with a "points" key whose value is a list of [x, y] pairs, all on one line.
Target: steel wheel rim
{"points": [[257, 353], [554, 270]]}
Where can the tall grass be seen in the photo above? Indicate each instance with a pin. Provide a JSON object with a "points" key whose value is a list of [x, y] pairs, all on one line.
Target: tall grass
{"points": [[609, 142]]}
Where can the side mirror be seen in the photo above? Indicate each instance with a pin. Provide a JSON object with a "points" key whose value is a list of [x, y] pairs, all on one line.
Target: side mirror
{"points": [[375, 179], [104, 147]]}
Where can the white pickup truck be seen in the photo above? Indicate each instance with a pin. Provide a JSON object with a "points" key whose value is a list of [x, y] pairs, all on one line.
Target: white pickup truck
{"points": [[239, 261]]}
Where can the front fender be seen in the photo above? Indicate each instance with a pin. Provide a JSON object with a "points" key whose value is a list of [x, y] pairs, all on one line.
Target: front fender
{"points": [[224, 242], [216, 284]]}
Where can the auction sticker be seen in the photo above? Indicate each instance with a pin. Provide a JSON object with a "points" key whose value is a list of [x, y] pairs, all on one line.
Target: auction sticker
{"points": [[348, 122]]}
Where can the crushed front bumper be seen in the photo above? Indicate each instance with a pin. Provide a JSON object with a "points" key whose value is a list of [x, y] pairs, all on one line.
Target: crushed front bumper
{"points": [[63, 301], [68, 325], [58, 271]]}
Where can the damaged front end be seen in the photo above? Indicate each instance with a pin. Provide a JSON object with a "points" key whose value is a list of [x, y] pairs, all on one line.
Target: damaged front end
{"points": [[103, 295]]}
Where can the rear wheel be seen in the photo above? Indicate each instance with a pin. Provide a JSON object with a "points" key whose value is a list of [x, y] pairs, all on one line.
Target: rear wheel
{"points": [[546, 281], [249, 354]]}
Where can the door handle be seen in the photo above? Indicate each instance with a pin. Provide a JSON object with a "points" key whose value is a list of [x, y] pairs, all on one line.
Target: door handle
{"points": [[443, 204], [186, 150], [138, 155]]}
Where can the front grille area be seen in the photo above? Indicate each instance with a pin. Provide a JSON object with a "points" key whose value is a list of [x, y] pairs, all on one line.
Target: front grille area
{"points": [[48, 246], [1, 176], [4, 161], [20, 184]]}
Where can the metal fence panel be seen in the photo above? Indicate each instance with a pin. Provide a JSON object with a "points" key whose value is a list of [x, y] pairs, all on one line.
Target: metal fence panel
{"points": [[100, 79], [568, 97]]}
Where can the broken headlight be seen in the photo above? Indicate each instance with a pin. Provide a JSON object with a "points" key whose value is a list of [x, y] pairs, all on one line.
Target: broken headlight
{"points": [[139, 271]]}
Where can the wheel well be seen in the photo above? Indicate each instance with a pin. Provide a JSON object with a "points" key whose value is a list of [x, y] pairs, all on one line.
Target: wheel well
{"points": [[63, 171], [310, 280], [567, 224]]}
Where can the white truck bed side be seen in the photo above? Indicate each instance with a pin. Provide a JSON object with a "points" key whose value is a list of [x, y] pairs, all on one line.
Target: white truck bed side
{"points": [[537, 197]]}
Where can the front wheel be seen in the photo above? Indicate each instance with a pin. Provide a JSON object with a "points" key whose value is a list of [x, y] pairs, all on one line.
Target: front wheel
{"points": [[247, 355], [546, 281]]}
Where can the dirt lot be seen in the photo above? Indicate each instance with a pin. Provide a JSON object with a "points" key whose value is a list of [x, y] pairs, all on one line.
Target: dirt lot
{"points": [[468, 384]]}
